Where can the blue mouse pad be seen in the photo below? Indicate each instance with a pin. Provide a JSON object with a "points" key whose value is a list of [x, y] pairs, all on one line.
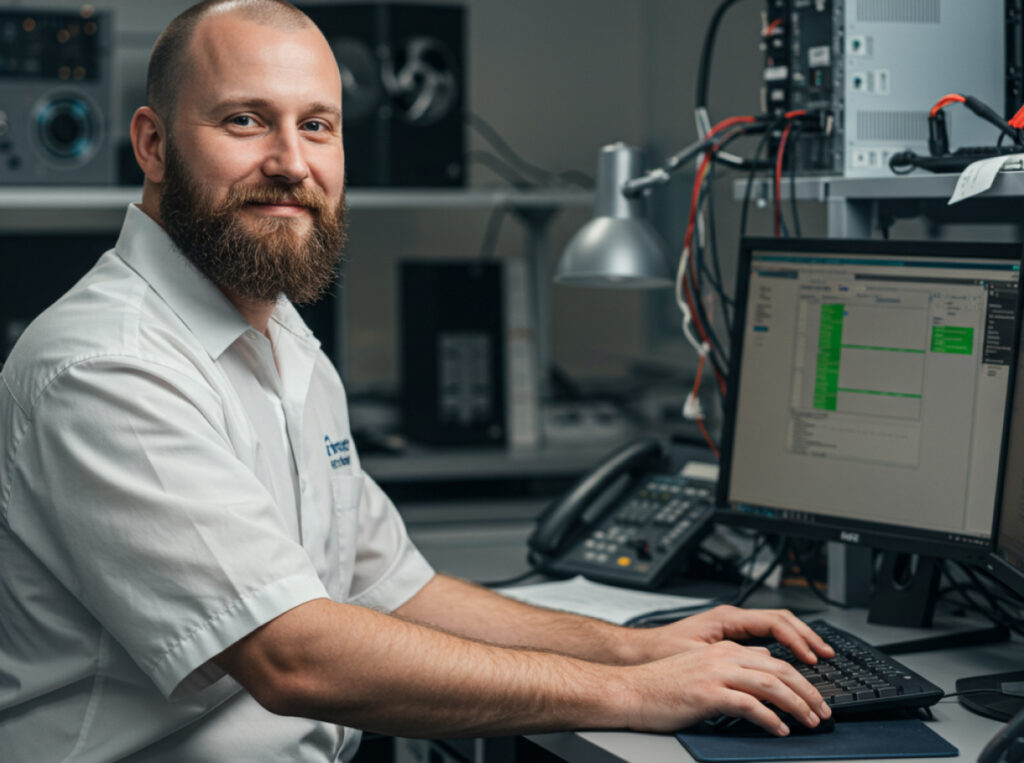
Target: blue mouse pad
{"points": [[902, 738]]}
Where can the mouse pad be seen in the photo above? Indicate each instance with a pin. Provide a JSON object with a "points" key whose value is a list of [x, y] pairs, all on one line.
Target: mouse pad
{"points": [[902, 738]]}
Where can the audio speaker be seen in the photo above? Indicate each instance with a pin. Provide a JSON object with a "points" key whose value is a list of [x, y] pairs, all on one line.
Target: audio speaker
{"points": [[55, 98], [403, 91], [453, 352]]}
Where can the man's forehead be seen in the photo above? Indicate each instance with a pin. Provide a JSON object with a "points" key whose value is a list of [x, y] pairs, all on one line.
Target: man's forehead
{"points": [[234, 54]]}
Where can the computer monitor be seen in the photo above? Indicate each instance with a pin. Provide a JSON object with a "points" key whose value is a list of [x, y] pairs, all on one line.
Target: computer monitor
{"points": [[866, 391], [1001, 695]]}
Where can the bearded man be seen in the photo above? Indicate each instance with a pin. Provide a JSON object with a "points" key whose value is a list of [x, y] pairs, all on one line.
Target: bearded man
{"points": [[193, 565]]}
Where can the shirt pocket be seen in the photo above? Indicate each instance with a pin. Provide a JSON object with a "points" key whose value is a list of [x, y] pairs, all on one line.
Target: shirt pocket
{"points": [[346, 492]]}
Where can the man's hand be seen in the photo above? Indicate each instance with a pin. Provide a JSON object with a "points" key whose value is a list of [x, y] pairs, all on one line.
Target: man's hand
{"points": [[734, 624], [722, 678]]}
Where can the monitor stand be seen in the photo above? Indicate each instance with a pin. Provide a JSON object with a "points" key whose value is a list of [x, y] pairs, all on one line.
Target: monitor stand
{"points": [[999, 696], [906, 589], [905, 594]]}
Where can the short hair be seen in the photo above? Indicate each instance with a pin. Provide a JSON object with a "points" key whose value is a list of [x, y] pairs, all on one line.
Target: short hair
{"points": [[169, 63]]}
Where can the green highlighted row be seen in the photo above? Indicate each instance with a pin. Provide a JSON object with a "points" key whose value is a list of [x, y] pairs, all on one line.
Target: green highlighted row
{"points": [[880, 349], [830, 345], [957, 340], [879, 392]]}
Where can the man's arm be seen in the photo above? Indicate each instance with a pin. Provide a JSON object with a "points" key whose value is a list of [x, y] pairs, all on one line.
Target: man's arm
{"points": [[348, 664], [469, 610]]}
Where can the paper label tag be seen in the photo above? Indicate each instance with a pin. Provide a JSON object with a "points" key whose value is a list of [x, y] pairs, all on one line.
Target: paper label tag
{"points": [[979, 176]]}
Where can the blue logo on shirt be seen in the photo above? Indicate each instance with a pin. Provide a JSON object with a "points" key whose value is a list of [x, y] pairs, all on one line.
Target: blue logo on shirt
{"points": [[338, 452]]}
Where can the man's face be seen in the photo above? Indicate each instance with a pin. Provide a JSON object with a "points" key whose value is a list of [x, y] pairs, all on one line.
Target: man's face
{"points": [[253, 191]]}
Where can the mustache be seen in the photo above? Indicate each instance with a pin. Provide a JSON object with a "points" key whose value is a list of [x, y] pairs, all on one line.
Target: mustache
{"points": [[264, 193]]}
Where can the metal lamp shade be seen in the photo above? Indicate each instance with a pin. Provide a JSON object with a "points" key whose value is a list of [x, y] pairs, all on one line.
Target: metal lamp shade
{"points": [[618, 248]]}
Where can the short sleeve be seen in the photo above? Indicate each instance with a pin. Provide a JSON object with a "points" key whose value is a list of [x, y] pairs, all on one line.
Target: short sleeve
{"points": [[127, 487], [389, 569]]}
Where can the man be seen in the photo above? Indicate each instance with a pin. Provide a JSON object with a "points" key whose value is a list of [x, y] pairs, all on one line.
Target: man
{"points": [[193, 565]]}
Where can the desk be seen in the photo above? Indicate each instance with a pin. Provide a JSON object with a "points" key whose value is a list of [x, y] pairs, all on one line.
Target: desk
{"points": [[966, 731]]}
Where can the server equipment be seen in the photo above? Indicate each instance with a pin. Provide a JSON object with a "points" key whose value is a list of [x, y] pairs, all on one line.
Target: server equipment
{"points": [[56, 98], [874, 68]]}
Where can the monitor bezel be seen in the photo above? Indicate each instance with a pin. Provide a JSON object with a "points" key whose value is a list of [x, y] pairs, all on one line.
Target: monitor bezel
{"points": [[998, 566], [824, 527]]}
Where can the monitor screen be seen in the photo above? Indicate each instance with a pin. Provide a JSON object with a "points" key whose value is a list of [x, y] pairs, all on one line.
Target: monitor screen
{"points": [[867, 390], [1007, 560]]}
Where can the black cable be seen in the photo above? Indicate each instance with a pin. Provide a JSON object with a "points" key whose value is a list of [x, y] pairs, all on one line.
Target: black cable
{"points": [[716, 260], [676, 613], [801, 566], [491, 232], [499, 167], [719, 356], [750, 180], [1008, 617], [489, 133], [508, 581], [793, 136], [704, 68], [754, 585], [995, 616]]}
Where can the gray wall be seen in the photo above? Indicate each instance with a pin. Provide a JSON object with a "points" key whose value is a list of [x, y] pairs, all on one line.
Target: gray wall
{"points": [[559, 78]]}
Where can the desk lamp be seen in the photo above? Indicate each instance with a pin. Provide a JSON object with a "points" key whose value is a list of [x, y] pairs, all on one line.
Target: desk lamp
{"points": [[618, 248]]}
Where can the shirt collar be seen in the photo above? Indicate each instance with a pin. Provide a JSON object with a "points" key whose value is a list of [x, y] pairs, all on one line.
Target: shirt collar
{"points": [[209, 315]]}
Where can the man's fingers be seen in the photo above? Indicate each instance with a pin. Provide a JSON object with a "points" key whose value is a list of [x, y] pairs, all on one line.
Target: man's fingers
{"points": [[778, 682], [801, 639], [741, 705]]}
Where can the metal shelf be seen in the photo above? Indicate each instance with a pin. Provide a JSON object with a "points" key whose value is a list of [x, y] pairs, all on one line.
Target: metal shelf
{"points": [[855, 205], [914, 186], [19, 199]]}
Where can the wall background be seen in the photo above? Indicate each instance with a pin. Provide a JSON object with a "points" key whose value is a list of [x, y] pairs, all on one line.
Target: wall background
{"points": [[559, 79]]}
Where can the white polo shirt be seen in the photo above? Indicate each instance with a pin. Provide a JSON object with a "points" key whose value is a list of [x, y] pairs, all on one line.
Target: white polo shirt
{"points": [[165, 489]]}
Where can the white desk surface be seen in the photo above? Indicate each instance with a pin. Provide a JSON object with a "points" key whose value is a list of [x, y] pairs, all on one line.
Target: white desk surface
{"points": [[966, 731]]}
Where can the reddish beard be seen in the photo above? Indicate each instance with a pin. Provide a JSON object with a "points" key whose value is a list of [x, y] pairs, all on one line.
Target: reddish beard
{"points": [[255, 258]]}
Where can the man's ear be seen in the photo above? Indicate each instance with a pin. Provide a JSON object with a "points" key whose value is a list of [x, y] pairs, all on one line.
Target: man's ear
{"points": [[149, 140]]}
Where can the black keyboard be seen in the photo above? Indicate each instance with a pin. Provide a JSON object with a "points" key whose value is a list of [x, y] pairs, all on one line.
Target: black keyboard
{"points": [[860, 678]]}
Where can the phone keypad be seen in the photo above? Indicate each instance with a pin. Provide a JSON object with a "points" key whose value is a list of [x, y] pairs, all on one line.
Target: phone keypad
{"points": [[642, 539]]}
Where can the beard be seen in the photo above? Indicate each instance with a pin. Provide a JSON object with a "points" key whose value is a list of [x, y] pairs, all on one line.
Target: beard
{"points": [[255, 259]]}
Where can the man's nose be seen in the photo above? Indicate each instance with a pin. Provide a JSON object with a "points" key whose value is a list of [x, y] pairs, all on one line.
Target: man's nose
{"points": [[285, 161]]}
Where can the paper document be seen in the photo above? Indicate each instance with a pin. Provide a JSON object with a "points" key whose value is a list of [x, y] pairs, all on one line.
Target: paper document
{"points": [[979, 176], [605, 602]]}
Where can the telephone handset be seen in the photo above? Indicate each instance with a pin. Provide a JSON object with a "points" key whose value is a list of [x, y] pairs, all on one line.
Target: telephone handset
{"points": [[625, 522], [1007, 744]]}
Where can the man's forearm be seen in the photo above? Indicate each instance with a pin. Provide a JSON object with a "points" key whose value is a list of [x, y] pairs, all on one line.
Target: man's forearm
{"points": [[469, 610], [360, 668]]}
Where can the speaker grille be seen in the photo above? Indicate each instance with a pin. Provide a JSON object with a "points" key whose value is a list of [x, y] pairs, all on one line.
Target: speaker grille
{"points": [[902, 11], [900, 126]]}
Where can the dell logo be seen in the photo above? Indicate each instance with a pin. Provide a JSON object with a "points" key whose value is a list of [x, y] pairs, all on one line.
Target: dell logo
{"points": [[849, 537]]}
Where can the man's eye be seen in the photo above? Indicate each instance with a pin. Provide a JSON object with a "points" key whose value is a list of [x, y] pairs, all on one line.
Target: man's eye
{"points": [[242, 121], [315, 125]]}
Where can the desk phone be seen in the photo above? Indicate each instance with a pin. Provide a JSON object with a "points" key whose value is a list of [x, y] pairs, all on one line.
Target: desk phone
{"points": [[626, 523]]}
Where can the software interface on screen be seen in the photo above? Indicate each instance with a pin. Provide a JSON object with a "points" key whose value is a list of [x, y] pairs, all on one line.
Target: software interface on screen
{"points": [[1010, 537], [872, 389]]}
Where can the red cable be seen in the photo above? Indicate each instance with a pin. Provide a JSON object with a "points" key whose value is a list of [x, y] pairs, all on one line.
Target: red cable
{"points": [[742, 120], [700, 421], [1018, 119], [944, 101], [778, 178], [772, 27]]}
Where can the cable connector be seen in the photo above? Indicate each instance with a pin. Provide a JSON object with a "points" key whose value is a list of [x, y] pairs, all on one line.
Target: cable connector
{"points": [[693, 409], [938, 136]]}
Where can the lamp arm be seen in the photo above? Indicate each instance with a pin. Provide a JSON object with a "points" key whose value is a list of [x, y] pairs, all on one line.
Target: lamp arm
{"points": [[631, 189], [636, 187]]}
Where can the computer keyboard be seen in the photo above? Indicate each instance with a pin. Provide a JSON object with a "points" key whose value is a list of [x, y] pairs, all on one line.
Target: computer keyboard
{"points": [[860, 678]]}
